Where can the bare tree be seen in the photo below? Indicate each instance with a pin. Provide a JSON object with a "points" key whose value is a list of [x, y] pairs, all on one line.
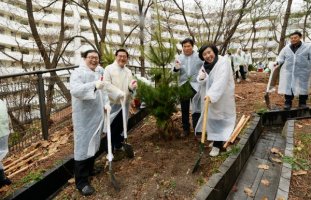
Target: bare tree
{"points": [[181, 7], [284, 25]]}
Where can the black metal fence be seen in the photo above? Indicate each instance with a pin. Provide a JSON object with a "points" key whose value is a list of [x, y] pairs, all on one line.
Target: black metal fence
{"points": [[38, 103]]}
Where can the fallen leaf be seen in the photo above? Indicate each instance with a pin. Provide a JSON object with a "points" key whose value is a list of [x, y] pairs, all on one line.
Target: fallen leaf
{"points": [[264, 198], [248, 191], [280, 198], [276, 160], [299, 126], [299, 172], [263, 166], [71, 181], [265, 182], [45, 144], [4, 188], [275, 150]]}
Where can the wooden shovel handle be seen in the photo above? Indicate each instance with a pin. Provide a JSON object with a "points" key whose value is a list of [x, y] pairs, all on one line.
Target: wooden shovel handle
{"points": [[206, 102]]}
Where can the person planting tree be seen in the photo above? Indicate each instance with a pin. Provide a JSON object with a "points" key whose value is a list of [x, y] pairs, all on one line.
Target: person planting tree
{"points": [[216, 85]]}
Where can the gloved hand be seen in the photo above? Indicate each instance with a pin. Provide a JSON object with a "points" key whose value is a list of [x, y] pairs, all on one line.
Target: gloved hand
{"points": [[177, 65], [202, 74], [99, 84], [133, 85], [107, 107]]}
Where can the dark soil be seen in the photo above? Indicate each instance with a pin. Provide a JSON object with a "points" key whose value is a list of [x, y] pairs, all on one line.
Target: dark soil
{"points": [[300, 185]]}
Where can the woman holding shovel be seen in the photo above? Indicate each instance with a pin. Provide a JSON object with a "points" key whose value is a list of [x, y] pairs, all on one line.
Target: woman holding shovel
{"points": [[216, 85]]}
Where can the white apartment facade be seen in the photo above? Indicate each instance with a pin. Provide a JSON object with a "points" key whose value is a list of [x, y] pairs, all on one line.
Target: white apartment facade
{"points": [[18, 51]]}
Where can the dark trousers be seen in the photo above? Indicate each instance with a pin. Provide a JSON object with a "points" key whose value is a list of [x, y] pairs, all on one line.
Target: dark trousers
{"points": [[116, 131], [185, 104], [242, 72], [302, 99], [82, 172], [218, 144]]}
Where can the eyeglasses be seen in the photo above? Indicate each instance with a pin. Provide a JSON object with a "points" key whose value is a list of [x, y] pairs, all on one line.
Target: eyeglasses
{"points": [[92, 58]]}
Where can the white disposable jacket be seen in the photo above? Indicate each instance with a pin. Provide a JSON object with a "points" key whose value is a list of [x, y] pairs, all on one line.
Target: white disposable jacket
{"points": [[189, 69], [4, 131], [219, 86], [238, 60], [87, 111], [295, 72], [248, 58], [121, 79]]}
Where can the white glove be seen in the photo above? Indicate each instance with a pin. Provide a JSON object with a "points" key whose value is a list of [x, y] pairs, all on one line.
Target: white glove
{"points": [[202, 75], [133, 85], [121, 95], [177, 65], [107, 107], [99, 84]]}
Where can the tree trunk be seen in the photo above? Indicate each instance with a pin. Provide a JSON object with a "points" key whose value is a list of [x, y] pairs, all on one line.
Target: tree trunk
{"points": [[284, 26]]}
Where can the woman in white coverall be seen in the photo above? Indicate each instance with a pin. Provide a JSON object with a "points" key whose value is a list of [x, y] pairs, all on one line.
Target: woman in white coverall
{"points": [[217, 85], [4, 136], [88, 102]]}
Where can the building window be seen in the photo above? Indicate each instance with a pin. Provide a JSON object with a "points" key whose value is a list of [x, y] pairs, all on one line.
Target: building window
{"points": [[24, 37], [2, 47], [25, 51], [13, 49]]}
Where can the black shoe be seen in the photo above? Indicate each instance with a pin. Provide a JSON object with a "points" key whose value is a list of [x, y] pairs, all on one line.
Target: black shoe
{"points": [[287, 107], [3, 179], [87, 190], [302, 106]]}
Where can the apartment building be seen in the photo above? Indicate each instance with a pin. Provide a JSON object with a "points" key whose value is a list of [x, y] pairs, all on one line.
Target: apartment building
{"points": [[18, 51]]}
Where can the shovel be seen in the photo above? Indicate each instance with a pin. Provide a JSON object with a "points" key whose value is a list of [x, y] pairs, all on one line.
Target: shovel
{"points": [[201, 148], [128, 149], [271, 84], [112, 178]]}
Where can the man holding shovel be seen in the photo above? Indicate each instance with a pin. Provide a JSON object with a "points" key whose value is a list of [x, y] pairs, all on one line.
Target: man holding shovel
{"points": [[121, 77], [188, 65], [217, 86], [295, 59], [88, 102]]}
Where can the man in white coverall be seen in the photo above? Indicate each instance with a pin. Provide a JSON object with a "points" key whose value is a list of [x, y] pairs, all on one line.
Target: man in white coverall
{"points": [[88, 103], [4, 136], [121, 77], [216, 85], [188, 65], [295, 71]]}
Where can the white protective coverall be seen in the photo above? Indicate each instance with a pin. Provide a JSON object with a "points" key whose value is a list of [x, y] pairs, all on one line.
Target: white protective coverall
{"points": [[219, 86], [295, 71], [87, 111], [238, 60], [189, 69], [121, 79], [4, 131]]}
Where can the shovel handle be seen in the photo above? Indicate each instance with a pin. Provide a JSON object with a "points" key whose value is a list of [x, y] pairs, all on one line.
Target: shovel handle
{"points": [[206, 102]]}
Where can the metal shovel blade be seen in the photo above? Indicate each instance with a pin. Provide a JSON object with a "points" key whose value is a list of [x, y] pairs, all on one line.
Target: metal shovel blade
{"points": [[267, 100], [128, 149], [197, 163], [112, 178]]}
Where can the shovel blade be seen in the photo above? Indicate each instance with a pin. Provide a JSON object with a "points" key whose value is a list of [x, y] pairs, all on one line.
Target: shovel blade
{"points": [[128, 149], [114, 182], [197, 164], [267, 100]]}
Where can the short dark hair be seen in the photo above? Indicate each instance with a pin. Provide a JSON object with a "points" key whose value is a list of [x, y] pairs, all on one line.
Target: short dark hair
{"points": [[212, 46], [122, 50], [187, 40], [84, 54], [296, 33]]}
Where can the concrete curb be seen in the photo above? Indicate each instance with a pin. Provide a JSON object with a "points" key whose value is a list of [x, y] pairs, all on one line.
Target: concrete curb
{"points": [[220, 184], [288, 132]]}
